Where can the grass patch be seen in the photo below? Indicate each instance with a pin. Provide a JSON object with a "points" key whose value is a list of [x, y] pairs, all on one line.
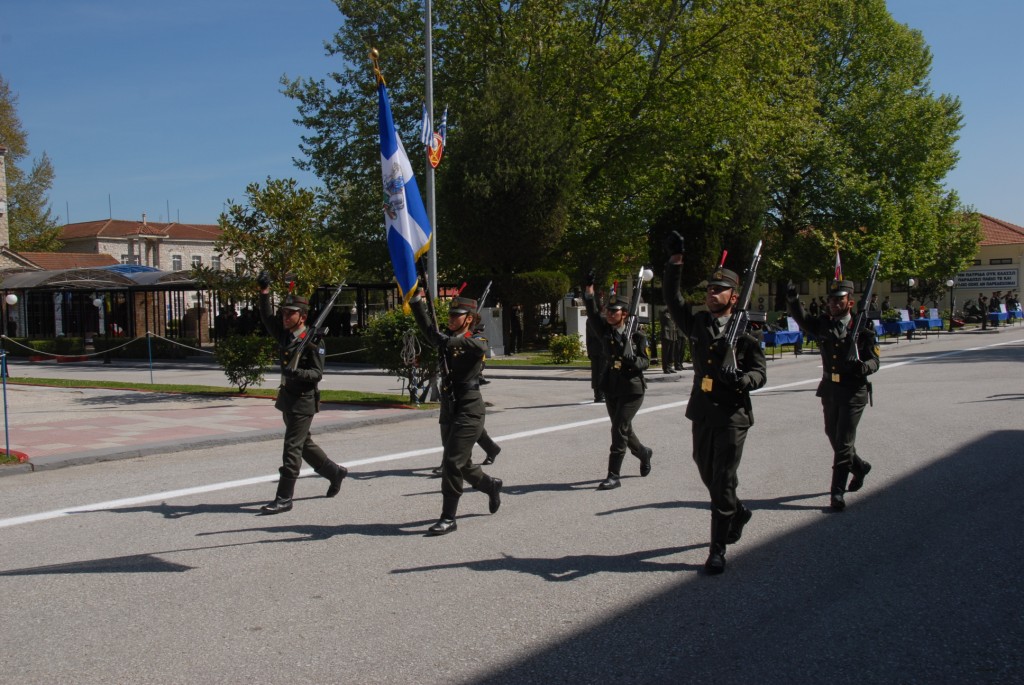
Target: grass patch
{"points": [[344, 396], [535, 359]]}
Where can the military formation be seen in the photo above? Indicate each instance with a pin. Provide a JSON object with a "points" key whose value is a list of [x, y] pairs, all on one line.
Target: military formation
{"points": [[728, 363]]}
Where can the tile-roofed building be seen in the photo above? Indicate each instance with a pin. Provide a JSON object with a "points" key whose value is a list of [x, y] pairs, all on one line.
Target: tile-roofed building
{"points": [[67, 260], [168, 246], [998, 232]]}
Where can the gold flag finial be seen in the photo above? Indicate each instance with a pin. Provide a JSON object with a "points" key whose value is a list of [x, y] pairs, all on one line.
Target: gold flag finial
{"points": [[375, 58]]}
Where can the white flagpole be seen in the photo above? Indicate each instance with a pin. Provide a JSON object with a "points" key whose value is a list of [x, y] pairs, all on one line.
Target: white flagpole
{"points": [[432, 262]]}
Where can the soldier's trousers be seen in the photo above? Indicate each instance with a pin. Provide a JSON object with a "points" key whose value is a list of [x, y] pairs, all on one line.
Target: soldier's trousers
{"points": [[717, 453], [461, 426], [597, 366], [299, 446], [842, 414], [621, 410]]}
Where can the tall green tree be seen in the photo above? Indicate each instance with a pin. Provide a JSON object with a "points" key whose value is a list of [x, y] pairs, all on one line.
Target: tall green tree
{"points": [[32, 226], [872, 160], [791, 120], [283, 229]]}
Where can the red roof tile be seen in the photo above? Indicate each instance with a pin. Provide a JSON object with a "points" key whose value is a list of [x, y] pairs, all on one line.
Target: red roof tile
{"points": [[997, 232], [118, 228], [52, 261]]}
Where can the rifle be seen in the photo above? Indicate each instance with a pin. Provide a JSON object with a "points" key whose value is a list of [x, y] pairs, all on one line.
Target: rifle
{"points": [[317, 331], [442, 360], [483, 298], [737, 325], [853, 353], [633, 321]]}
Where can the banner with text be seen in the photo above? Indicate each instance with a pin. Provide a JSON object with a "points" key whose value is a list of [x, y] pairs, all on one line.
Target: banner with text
{"points": [[988, 279]]}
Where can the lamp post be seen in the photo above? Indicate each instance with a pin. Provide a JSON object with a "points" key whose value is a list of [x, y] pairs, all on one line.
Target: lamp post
{"points": [[11, 300], [98, 303], [952, 302]]}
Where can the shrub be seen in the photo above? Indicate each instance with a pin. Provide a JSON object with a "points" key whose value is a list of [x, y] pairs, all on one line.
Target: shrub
{"points": [[385, 338], [565, 348], [244, 358]]}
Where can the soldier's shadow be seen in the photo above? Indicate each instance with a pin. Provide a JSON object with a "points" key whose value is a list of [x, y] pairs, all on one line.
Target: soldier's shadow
{"points": [[775, 504], [525, 489], [574, 566], [311, 533], [177, 511]]}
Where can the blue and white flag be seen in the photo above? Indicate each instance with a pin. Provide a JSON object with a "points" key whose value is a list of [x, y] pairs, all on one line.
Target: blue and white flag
{"points": [[444, 127], [405, 217], [426, 130]]}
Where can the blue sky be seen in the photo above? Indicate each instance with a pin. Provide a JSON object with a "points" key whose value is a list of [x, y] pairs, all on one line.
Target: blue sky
{"points": [[176, 104]]}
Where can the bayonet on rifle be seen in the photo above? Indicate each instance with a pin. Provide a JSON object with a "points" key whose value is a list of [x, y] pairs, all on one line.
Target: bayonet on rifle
{"points": [[853, 352], [737, 325]]}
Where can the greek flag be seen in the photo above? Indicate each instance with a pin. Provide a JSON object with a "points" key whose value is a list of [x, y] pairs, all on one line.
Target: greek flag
{"points": [[408, 228], [426, 130]]}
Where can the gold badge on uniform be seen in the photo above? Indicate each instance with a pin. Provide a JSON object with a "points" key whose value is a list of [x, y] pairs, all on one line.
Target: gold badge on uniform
{"points": [[835, 378], [705, 384]]}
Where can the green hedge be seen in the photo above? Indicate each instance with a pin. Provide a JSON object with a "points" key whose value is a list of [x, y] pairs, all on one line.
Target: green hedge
{"points": [[139, 349], [62, 345]]}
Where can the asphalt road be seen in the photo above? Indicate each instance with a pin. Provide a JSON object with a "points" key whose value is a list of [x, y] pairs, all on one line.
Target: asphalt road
{"points": [[168, 575]]}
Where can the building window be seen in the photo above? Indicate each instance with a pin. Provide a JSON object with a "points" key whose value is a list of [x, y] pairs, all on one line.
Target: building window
{"points": [[175, 262], [124, 259], [197, 261], [215, 263], [239, 265], [1001, 260], [975, 262]]}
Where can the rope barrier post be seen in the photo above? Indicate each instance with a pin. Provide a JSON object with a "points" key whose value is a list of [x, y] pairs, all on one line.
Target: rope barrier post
{"points": [[3, 373], [149, 348]]}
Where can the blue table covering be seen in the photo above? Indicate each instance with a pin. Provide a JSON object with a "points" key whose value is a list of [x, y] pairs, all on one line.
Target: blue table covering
{"points": [[996, 317], [897, 327], [774, 338], [927, 323]]}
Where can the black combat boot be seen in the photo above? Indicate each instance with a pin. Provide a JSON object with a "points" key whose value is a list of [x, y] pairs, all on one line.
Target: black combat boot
{"points": [[860, 469], [494, 494], [283, 501], [446, 524], [839, 477], [491, 456], [716, 553], [334, 473], [645, 461], [614, 468], [339, 475], [739, 519]]}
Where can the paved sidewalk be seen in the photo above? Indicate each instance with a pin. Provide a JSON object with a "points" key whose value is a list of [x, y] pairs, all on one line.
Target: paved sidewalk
{"points": [[59, 427]]}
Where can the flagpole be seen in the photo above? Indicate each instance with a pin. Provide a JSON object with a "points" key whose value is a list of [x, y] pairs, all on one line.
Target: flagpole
{"points": [[432, 262]]}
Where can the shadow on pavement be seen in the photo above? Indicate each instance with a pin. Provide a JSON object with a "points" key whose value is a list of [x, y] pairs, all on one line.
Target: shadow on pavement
{"points": [[919, 582], [573, 566]]}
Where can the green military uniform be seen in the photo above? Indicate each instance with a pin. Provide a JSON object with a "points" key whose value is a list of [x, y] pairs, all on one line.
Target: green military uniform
{"points": [[844, 389], [719, 405], [462, 411], [623, 386], [298, 400]]}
